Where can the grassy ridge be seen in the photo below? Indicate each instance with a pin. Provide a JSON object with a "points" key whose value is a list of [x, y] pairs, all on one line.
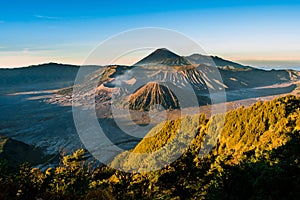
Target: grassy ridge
{"points": [[256, 156]]}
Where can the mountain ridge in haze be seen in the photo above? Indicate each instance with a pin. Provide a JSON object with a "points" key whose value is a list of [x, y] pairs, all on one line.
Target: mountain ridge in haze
{"points": [[161, 65], [214, 61], [199, 74]]}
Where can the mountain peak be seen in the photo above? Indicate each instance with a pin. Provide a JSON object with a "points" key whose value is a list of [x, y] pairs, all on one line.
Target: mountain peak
{"points": [[151, 94], [164, 52], [163, 57]]}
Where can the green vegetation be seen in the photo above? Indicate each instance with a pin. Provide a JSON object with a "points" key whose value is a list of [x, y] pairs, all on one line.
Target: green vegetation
{"points": [[257, 156]]}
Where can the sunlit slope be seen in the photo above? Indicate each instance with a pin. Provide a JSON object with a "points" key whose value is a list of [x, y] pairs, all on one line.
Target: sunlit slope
{"points": [[261, 127]]}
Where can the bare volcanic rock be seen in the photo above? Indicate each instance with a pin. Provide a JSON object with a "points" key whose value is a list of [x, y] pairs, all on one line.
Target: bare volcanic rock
{"points": [[151, 94]]}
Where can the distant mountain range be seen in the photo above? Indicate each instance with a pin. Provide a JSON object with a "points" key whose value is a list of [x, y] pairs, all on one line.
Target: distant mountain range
{"points": [[161, 66], [214, 60], [49, 76], [164, 57]]}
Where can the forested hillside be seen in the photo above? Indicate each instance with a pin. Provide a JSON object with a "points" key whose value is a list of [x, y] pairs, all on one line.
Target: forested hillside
{"points": [[255, 157]]}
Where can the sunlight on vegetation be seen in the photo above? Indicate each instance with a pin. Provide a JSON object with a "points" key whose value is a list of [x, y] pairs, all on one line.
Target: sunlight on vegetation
{"points": [[256, 157]]}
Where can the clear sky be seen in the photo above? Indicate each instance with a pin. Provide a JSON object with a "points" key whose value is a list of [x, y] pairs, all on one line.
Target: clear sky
{"points": [[254, 32]]}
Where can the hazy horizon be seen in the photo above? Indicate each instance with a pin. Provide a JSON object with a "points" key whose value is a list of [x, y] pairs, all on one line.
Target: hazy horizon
{"points": [[261, 64], [261, 34]]}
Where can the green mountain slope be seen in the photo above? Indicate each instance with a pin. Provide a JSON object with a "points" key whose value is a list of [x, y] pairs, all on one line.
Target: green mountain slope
{"points": [[256, 156], [263, 126]]}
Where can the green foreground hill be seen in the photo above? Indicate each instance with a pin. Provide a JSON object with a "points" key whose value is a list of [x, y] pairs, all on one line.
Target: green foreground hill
{"points": [[250, 153]]}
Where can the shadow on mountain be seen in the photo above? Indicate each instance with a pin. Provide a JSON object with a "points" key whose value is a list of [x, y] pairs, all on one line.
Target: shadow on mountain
{"points": [[274, 177], [17, 152], [116, 135]]}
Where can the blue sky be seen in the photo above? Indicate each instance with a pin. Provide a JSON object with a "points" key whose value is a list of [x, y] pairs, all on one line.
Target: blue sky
{"points": [[261, 33]]}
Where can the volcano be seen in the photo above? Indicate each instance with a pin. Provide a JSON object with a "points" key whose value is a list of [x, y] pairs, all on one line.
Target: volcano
{"points": [[152, 94], [152, 79], [163, 57]]}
